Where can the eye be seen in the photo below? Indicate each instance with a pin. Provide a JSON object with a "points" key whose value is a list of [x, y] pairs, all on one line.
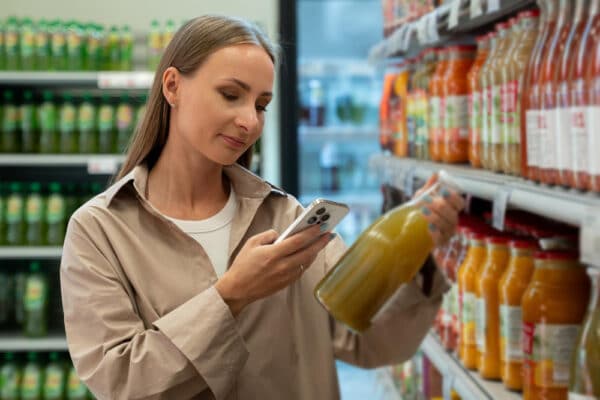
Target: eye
{"points": [[229, 96], [261, 108]]}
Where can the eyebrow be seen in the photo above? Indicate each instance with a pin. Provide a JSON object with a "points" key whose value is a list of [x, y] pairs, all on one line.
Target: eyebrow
{"points": [[246, 87]]}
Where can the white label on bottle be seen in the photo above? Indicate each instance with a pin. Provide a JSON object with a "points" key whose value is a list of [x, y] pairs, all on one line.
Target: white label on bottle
{"points": [[532, 117], [494, 115], [511, 348], [456, 117], [480, 323], [589, 237], [454, 13], [555, 344], [593, 121], [577, 396], [548, 139], [475, 9], [579, 140], [485, 125], [446, 312], [563, 145], [468, 308]]}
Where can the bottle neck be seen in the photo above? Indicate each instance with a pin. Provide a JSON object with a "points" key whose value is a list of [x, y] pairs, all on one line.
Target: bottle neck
{"points": [[565, 12], [580, 7], [595, 295]]}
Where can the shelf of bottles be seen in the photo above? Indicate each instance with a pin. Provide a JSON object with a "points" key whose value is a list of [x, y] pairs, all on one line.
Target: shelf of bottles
{"points": [[14, 341]]}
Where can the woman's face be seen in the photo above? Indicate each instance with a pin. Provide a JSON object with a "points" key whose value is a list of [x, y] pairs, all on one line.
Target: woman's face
{"points": [[220, 109]]}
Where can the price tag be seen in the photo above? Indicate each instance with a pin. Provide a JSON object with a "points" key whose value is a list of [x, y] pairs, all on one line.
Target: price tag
{"points": [[454, 13], [125, 80], [409, 181], [432, 28], [407, 37], [475, 9], [501, 199], [102, 166], [589, 240], [422, 29], [493, 6]]}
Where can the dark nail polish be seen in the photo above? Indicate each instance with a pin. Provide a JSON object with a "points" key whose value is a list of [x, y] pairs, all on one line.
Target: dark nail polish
{"points": [[445, 193], [432, 227], [426, 211]]}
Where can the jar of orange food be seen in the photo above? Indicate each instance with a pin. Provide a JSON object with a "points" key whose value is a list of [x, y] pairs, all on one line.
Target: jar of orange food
{"points": [[487, 319], [455, 139], [466, 288], [474, 92], [511, 288], [486, 97], [554, 306], [437, 106]]}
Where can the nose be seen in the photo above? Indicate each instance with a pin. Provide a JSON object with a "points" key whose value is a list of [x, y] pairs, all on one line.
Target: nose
{"points": [[247, 119]]}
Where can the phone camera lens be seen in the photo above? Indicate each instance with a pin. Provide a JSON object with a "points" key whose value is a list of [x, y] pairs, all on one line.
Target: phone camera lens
{"points": [[320, 210], [312, 220], [325, 217]]}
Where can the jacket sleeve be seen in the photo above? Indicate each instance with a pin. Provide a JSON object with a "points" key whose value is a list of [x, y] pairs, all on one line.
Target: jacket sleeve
{"points": [[120, 358], [397, 330]]}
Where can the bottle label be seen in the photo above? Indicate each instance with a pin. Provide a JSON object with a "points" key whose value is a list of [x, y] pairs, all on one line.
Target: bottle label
{"points": [[10, 383], [563, 146], [480, 324], [579, 141], [548, 132], [434, 116], [494, 104], [74, 43], [27, 117], [454, 307], [58, 43], [474, 117], [155, 42], [105, 118], [55, 210], [14, 209], [27, 43], [67, 118], [124, 117], [578, 396], [593, 139], [468, 319], [139, 116], [508, 112], [30, 387], [456, 118], [34, 209], [41, 43], [93, 45], [486, 97], [34, 294], [48, 117], [443, 315], [511, 348], [86, 117], [74, 386], [547, 352], [532, 117], [12, 43], [53, 387], [10, 118]]}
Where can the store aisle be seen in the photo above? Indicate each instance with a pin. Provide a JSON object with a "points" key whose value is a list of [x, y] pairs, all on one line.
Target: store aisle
{"points": [[357, 383]]}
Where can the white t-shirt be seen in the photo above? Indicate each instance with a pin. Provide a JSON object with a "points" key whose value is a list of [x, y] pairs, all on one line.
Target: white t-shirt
{"points": [[212, 233]]}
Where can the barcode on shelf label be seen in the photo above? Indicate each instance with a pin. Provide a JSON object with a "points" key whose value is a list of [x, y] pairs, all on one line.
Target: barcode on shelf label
{"points": [[475, 9], [454, 13], [124, 80], [432, 28], [501, 199], [102, 166], [493, 5], [589, 241]]}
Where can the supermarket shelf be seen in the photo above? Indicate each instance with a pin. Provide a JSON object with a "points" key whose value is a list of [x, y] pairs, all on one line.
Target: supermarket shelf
{"points": [[16, 342], [466, 383], [561, 204], [56, 159], [21, 252], [387, 389], [101, 79], [338, 132]]}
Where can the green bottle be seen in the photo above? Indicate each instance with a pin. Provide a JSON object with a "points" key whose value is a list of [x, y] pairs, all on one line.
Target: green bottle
{"points": [[170, 29], [113, 50], [93, 47], [10, 122], [106, 126], [30, 133], [66, 126], [71, 199], [34, 216], [124, 123], [7, 297], [33, 379], [154, 45], [10, 378], [27, 45], [141, 110], [86, 121], [76, 390], [126, 49], [58, 46], [20, 283], [55, 216], [15, 216], [3, 196], [75, 41], [48, 124], [2, 47], [35, 302], [95, 189], [55, 379], [42, 46], [11, 44]]}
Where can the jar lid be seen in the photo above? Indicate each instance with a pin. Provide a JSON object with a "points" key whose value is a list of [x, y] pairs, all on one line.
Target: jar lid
{"points": [[481, 38], [498, 239], [462, 47], [556, 255], [523, 243], [477, 235], [529, 13], [512, 21], [500, 26]]}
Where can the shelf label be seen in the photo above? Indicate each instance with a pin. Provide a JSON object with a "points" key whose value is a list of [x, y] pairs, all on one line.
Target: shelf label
{"points": [[432, 28], [102, 166], [409, 181], [493, 6], [454, 13], [475, 9], [406, 38], [501, 199], [589, 240], [125, 80], [422, 30]]}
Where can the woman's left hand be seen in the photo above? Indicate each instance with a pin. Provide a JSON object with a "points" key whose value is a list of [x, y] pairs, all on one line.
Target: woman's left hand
{"points": [[441, 211]]}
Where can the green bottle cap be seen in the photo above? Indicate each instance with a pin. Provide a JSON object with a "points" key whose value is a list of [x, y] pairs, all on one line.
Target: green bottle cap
{"points": [[9, 357], [54, 187], [8, 95], [70, 188], [47, 95], [28, 96], [35, 187], [15, 187], [105, 98], [124, 97], [67, 97], [87, 97], [53, 356], [32, 357], [34, 266], [96, 188]]}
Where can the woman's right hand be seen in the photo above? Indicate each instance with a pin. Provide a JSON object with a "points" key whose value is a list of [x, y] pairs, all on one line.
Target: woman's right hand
{"points": [[262, 268]]}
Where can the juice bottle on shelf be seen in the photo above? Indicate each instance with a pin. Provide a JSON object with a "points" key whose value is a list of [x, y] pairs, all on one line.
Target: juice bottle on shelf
{"points": [[35, 302], [112, 50], [10, 377], [360, 283], [473, 89], [534, 92], [33, 379], [414, 72], [11, 44], [455, 139], [445, 316], [140, 111], [27, 45], [106, 126], [124, 123], [548, 87], [54, 379], [48, 124], [75, 46], [30, 134], [66, 125], [487, 309], [385, 119], [76, 390], [585, 368], [93, 47], [58, 45], [513, 79], [154, 45], [42, 46], [3, 198], [15, 214], [421, 142], [437, 107], [466, 287], [398, 112], [554, 306], [6, 300], [593, 88], [486, 96], [2, 47], [511, 288], [169, 32], [71, 199], [10, 123], [86, 125], [55, 216], [126, 49], [34, 216]]}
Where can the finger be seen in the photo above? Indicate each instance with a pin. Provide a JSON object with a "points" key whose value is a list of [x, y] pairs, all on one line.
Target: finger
{"points": [[454, 198], [430, 182], [444, 210], [307, 255], [298, 241], [264, 238]]}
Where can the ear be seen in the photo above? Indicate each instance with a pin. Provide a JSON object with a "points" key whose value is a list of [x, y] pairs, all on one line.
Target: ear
{"points": [[171, 85]]}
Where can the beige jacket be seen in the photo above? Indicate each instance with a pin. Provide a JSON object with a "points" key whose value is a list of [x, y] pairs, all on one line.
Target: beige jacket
{"points": [[144, 320]]}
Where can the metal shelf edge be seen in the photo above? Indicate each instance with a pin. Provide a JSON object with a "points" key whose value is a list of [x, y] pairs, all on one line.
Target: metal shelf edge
{"points": [[58, 159], [23, 252], [20, 343]]}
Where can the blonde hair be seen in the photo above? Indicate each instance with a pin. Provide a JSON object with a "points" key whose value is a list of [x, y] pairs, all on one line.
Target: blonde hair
{"points": [[193, 43]]}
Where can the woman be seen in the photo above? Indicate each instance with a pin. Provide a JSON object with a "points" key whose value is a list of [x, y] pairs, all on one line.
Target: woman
{"points": [[171, 284]]}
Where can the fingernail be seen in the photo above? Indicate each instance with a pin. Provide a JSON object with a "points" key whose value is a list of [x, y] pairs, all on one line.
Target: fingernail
{"points": [[445, 193], [428, 199], [426, 211], [432, 227]]}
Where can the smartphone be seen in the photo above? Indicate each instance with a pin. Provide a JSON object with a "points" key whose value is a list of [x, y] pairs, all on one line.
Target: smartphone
{"points": [[325, 213]]}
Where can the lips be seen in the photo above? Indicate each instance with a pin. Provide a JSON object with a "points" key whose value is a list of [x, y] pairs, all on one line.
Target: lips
{"points": [[233, 142]]}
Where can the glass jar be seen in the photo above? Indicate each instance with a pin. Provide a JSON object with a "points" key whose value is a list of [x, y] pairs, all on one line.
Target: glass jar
{"points": [[486, 97], [474, 91], [437, 107], [385, 110], [399, 109], [593, 138], [554, 306], [430, 63]]}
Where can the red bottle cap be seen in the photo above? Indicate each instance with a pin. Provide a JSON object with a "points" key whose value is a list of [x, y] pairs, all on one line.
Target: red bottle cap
{"points": [[529, 14], [556, 255], [523, 244]]}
